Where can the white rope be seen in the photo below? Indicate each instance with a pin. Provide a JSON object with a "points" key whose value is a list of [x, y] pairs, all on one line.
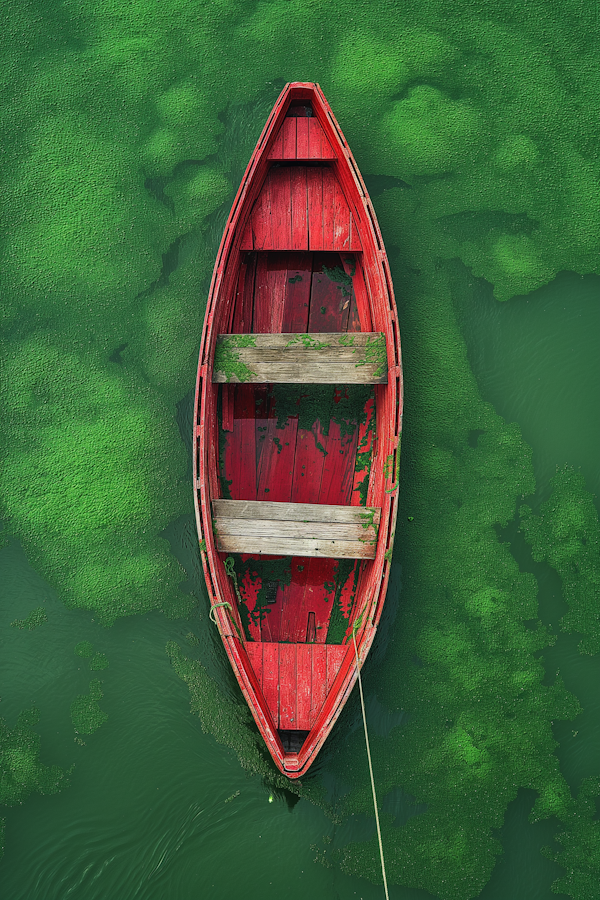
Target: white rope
{"points": [[364, 715]]}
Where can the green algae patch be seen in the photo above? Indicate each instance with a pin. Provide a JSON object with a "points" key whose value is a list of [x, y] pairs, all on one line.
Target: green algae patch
{"points": [[84, 649], [579, 840], [89, 455], [35, 618], [86, 715], [96, 660], [566, 535], [21, 771], [228, 362]]}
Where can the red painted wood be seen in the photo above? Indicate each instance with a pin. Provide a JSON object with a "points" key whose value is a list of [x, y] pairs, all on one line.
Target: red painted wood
{"points": [[227, 397], [304, 654], [315, 136], [329, 308], [276, 466], [249, 588], [308, 465], [289, 138], [319, 680], [270, 679], [338, 469], [242, 319], [281, 207], [255, 656], [341, 232], [355, 241], [297, 299], [247, 242], [350, 262], [335, 655], [374, 310], [277, 148], [329, 191], [299, 206], [302, 138], [261, 218], [364, 445], [288, 686], [314, 178], [261, 418]]}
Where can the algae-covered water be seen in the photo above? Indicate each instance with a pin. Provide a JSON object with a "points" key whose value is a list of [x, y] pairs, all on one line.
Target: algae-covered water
{"points": [[129, 766]]}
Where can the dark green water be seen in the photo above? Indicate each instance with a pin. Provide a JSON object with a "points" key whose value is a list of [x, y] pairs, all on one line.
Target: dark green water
{"points": [[126, 131]]}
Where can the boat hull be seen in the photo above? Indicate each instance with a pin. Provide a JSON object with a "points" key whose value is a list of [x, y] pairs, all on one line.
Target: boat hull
{"points": [[296, 539]]}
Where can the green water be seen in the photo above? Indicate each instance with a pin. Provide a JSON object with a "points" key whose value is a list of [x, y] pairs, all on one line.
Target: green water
{"points": [[126, 132]]}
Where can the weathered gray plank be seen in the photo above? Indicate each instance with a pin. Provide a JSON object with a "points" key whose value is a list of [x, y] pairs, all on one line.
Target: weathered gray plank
{"points": [[296, 512], [275, 528], [322, 340], [295, 547], [337, 358]]}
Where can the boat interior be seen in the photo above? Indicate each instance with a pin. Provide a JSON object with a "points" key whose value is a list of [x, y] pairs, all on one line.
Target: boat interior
{"points": [[307, 441]]}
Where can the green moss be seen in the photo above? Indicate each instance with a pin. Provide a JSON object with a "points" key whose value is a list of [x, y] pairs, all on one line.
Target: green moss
{"points": [[338, 620], [566, 534], [271, 573], [35, 618], [98, 662], [323, 403], [307, 340], [579, 838], [85, 649], [88, 455], [21, 772], [228, 362], [86, 715]]}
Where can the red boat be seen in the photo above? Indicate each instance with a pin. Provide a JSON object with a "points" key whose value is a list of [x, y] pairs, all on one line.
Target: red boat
{"points": [[298, 415]]}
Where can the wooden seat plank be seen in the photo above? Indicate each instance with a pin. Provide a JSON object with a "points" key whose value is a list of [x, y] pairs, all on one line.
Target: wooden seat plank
{"points": [[346, 347], [295, 512], [332, 357], [297, 530], [277, 546]]}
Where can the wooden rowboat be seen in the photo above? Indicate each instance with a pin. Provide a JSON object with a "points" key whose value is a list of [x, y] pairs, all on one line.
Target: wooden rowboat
{"points": [[297, 425]]}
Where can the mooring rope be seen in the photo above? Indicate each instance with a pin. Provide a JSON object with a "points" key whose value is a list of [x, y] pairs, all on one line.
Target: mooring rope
{"points": [[364, 715]]}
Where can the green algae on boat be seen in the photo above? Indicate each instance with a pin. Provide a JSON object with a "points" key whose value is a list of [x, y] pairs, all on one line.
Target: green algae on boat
{"points": [[229, 362]]}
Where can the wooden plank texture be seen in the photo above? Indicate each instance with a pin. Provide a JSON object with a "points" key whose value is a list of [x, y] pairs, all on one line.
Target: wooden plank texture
{"points": [[271, 528], [295, 547], [298, 359], [295, 512]]}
